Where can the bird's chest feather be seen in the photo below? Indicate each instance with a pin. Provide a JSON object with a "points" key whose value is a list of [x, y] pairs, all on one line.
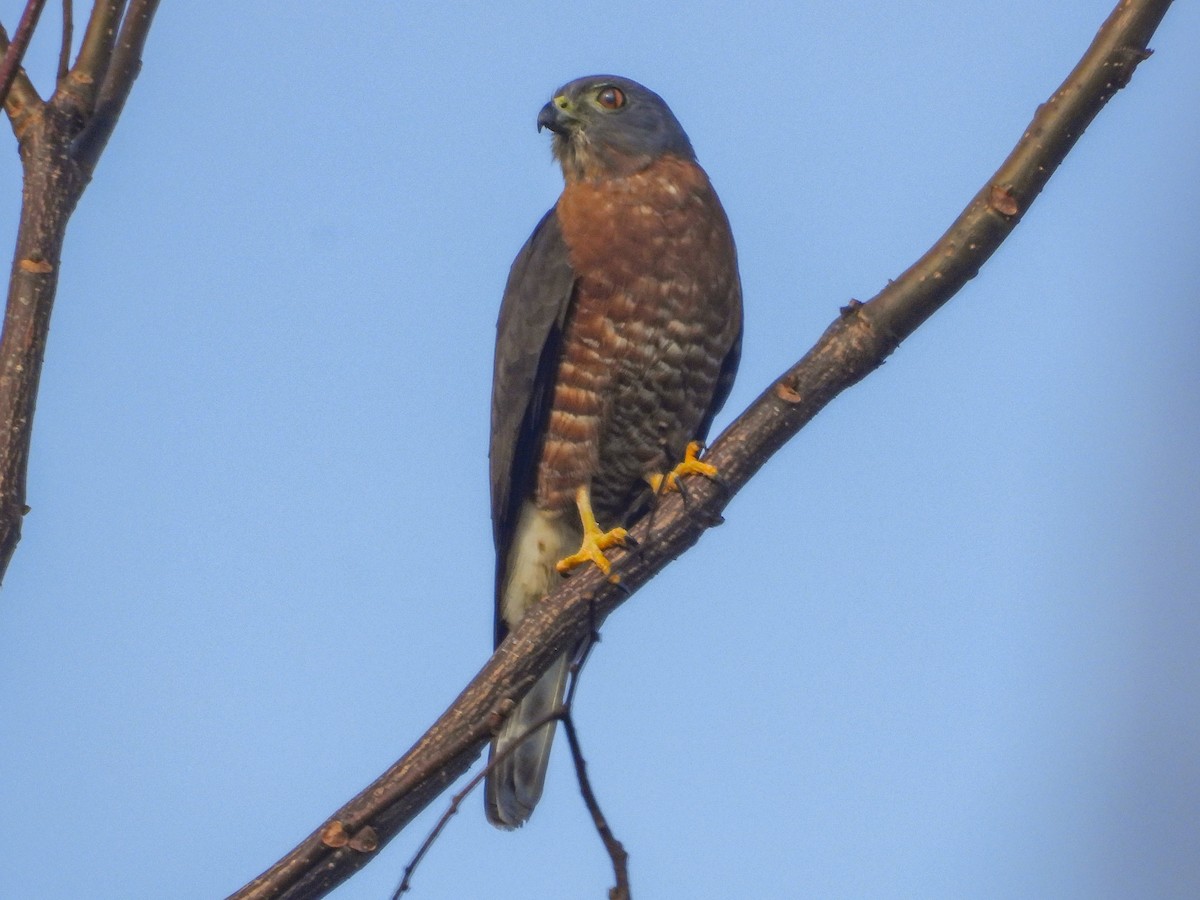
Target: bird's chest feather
{"points": [[653, 258], [653, 314], [644, 238]]}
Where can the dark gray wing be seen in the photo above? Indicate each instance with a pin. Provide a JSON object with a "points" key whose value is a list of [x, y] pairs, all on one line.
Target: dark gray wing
{"points": [[528, 339], [729, 367]]}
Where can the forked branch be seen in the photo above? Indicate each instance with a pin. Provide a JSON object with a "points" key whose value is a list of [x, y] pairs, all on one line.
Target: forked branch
{"points": [[562, 713], [60, 141]]}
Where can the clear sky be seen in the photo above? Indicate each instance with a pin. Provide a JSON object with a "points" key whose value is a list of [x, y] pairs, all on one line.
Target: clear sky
{"points": [[946, 644]]}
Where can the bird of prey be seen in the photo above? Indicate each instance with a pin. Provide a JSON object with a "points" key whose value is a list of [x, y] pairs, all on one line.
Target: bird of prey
{"points": [[617, 342]]}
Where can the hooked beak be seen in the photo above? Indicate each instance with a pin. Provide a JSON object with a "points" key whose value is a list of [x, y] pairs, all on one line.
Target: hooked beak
{"points": [[554, 118]]}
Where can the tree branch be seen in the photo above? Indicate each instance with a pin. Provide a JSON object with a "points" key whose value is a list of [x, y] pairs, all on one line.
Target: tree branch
{"points": [[95, 53], [565, 714], [21, 100], [68, 35], [55, 176], [856, 343], [555, 715], [120, 75], [14, 53], [616, 850]]}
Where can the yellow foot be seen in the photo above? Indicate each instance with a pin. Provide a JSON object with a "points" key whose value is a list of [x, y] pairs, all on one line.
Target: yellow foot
{"points": [[689, 466], [595, 541]]}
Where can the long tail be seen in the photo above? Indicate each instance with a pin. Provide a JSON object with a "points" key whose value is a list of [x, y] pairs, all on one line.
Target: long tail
{"points": [[515, 785], [541, 538]]}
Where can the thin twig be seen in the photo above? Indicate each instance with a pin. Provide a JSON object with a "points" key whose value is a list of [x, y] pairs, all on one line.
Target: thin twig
{"points": [[581, 655], [616, 850], [14, 53], [68, 38], [557, 714]]}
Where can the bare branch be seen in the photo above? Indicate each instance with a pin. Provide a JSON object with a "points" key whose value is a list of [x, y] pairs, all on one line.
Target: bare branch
{"points": [[118, 82], [560, 713], [54, 180], [127, 57], [68, 36], [616, 850], [14, 53], [555, 715], [20, 98], [51, 190], [856, 343], [95, 53]]}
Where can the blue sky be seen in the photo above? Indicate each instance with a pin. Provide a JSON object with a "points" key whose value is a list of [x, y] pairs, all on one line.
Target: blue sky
{"points": [[946, 643]]}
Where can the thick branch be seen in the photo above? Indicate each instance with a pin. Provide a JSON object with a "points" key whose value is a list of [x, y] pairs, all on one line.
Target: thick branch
{"points": [[857, 342], [51, 190]]}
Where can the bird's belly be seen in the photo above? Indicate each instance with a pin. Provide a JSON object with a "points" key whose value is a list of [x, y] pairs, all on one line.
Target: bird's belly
{"points": [[633, 386]]}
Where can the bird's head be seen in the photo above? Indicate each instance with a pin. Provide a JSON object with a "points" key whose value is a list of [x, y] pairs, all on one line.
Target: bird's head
{"points": [[607, 126]]}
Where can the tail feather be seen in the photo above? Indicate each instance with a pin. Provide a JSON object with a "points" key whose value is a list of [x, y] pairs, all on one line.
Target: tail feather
{"points": [[515, 784], [539, 540]]}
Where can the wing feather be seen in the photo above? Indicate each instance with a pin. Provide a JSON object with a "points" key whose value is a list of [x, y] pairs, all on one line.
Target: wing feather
{"points": [[729, 367], [528, 343]]}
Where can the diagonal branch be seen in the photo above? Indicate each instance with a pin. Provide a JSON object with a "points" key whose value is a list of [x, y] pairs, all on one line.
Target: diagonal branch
{"points": [[20, 97], [856, 343], [562, 713], [558, 714], [122, 71], [15, 51]]}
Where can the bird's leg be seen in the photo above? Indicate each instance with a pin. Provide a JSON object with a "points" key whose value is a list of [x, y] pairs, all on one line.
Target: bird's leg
{"points": [[690, 465], [595, 541]]}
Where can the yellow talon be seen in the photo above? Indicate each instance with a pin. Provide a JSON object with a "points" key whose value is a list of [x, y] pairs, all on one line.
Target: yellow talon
{"points": [[689, 466], [595, 541]]}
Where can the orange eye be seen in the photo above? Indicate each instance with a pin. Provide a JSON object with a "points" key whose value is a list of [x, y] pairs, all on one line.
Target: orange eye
{"points": [[611, 98]]}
